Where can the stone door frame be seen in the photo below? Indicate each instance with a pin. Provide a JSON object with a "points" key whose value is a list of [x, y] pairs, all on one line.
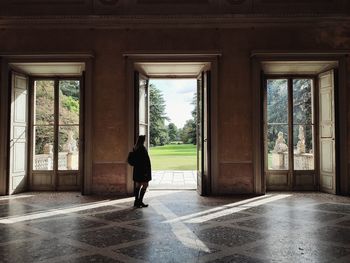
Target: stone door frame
{"points": [[210, 57], [257, 111], [85, 57]]}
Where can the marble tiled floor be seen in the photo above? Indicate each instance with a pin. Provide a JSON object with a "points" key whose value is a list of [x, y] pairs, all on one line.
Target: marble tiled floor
{"points": [[170, 180], [178, 226]]}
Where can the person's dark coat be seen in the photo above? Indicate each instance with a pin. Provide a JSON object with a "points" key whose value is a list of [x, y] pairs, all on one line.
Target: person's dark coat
{"points": [[142, 168]]}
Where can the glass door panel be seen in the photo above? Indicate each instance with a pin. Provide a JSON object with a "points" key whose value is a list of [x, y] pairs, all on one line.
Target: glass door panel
{"points": [[69, 102], [68, 154], [303, 145], [68, 125], [277, 124], [303, 124], [277, 143], [43, 126]]}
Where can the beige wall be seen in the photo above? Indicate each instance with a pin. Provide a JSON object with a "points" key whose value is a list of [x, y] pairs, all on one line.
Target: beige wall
{"points": [[109, 105]]}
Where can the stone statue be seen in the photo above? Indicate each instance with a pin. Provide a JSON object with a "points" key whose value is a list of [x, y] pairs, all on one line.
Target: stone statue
{"points": [[48, 149], [301, 142], [71, 145], [280, 145]]}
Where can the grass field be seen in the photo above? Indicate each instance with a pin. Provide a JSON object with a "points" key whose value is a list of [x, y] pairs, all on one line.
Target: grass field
{"points": [[173, 157]]}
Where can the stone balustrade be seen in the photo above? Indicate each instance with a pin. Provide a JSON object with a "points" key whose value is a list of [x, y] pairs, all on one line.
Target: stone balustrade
{"points": [[302, 161], [66, 161]]}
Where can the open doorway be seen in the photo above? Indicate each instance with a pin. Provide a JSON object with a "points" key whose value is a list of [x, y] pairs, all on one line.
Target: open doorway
{"points": [[194, 151], [173, 133]]}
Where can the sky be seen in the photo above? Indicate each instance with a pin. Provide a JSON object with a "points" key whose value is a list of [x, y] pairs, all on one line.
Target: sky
{"points": [[178, 95]]}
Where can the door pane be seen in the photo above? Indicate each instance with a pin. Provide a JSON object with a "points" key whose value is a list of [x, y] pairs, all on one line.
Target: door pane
{"points": [[43, 152], [277, 101], [142, 104], [68, 148], [69, 101], [277, 124], [303, 124], [303, 147], [143, 107], [68, 134], [302, 101], [277, 147], [44, 98], [43, 130]]}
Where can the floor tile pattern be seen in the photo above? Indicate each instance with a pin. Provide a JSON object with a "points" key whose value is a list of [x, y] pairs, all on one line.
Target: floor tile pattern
{"points": [[178, 226], [173, 180]]}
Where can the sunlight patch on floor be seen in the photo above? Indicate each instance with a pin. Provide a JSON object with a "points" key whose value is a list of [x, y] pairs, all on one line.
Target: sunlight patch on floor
{"points": [[228, 209], [180, 230], [63, 211], [12, 197], [182, 218]]}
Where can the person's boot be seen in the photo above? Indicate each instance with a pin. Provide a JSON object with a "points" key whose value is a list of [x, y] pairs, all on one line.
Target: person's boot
{"points": [[143, 191], [137, 197]]}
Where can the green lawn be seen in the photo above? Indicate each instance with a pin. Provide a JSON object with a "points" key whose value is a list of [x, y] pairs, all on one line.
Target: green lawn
{"points": [[173, 157]]}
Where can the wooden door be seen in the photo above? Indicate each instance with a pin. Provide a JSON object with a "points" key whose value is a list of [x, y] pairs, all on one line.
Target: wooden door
{"points": [[206, 133], [327, 132], [203, 176], [142, 107], [18, 134]]}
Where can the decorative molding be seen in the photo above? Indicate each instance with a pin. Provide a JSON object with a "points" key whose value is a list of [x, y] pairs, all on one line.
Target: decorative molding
{"points": [[52, 57], [161, 21], [46, 2], [296, 2], [179, 7]]}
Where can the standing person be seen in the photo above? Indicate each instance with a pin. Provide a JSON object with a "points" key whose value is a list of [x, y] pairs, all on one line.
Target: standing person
{"points": [[142, 171]]}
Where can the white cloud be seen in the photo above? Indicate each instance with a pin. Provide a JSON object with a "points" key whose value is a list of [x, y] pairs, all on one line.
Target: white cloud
{"points": [[178, 95]]}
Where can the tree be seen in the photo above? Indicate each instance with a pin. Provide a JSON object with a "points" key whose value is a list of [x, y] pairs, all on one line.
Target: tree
{"points": [[173, 132], [70, 88], [193, 130], [277, 108], [158, 131], [188, 132]]}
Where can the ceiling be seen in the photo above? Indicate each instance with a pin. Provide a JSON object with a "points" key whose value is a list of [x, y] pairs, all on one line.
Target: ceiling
{"points": [[171, 69], [50, 69], [297, 67]]}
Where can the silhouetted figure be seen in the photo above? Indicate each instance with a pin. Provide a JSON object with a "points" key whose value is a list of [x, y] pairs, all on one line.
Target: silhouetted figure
{"points": [[142, 173]]}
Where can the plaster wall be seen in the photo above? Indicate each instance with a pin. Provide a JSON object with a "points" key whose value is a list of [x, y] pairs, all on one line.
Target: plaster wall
{"points": [[109, 87]]}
